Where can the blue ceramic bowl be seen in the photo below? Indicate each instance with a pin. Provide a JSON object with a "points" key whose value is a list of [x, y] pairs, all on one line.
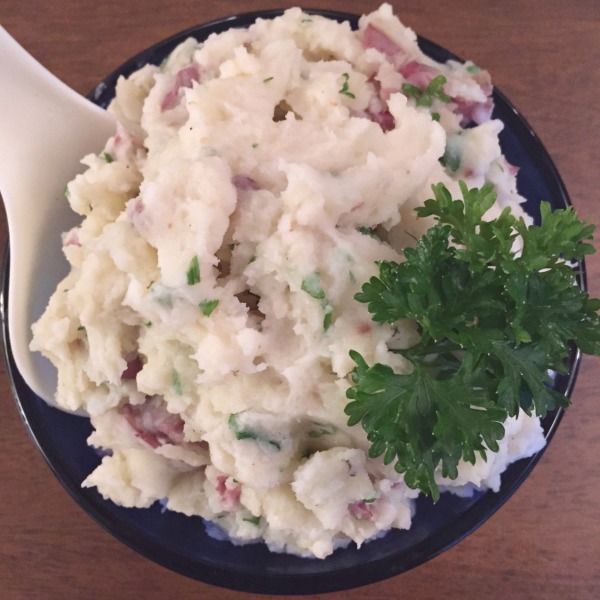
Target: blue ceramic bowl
{"points": [[180, 543]]}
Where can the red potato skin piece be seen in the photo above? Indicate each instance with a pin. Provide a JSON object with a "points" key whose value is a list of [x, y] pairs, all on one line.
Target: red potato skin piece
{"points": [[184, 79], [152, 423]]}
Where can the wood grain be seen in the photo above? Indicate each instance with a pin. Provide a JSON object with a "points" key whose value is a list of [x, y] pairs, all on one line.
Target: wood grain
{"points": [[545, 542]]}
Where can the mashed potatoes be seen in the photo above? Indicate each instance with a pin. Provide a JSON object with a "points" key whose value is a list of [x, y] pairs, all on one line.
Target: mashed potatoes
{"points": [[207, 319]]}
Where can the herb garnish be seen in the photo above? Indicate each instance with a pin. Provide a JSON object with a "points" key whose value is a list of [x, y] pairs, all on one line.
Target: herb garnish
{"points": [[312, 286], [207, 306], [493, 322], [425, 97], [321, 429], [370, 231], [108, 157], [243, 433], [345, 90], [451, 158], [193, 272], [176, 381]]}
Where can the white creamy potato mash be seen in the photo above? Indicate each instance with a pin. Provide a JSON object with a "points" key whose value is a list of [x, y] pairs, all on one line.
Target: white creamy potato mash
{"points": [[206, 323]]}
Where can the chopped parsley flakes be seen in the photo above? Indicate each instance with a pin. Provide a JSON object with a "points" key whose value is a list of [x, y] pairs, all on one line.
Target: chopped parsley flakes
{"points": [[312, 286], [208, 306], [176, 381], [345, 90], [425, 97], [193, 272]]}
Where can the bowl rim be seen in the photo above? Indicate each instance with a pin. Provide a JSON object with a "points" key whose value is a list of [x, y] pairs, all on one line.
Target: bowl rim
{"points": [[286, 582]]}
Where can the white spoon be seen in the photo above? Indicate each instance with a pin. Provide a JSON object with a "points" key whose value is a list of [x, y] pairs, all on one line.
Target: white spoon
{"points": [[45, 130]]}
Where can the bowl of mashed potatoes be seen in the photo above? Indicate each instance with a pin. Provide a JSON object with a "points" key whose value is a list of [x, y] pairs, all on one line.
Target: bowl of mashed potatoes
{"points": [[262, 166]]}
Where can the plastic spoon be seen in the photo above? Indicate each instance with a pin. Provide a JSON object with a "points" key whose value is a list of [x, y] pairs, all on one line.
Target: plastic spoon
{"points": [[45, 130]]}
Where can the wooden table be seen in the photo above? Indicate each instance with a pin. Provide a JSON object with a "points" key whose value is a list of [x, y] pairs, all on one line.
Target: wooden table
{"points": [[545, 543]]}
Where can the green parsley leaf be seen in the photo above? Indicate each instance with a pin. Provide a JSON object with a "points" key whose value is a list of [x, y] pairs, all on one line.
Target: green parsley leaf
{"points": [[321, 429], [176, 381], [242, 433], [451, 158], [420, 421], [368, 231], [108, 157], [207, 307], [327, 319], [425, 97], [162, 295], [494, 321], [193, 272], [312, 286], [345, 90]]}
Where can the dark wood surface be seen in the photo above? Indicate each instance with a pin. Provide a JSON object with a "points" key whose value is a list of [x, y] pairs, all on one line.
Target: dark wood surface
{"points": [[545, 542]]}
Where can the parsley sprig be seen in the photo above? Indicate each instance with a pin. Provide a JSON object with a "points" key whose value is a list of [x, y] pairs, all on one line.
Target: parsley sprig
{"points": [[498, 308]]}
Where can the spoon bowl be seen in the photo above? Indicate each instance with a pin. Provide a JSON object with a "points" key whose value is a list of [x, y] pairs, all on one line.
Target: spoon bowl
{"points": [[45, 130]]}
